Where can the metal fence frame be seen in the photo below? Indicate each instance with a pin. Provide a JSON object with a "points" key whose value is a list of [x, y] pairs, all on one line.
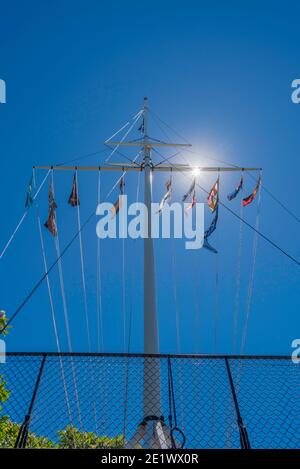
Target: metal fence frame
{"points": [[227, 359]]}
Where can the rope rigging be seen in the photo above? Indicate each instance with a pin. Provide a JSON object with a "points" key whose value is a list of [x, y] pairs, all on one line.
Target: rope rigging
{"points": [[177, 324], [57, 260], [135, 119], [177, 436], [98, 279], [123, 296], [54, 322], [236, 215], [133, 260], [238, 284], [89, 218], [251, 280], [74, 201], [282, 205], [32, 199], [136, 116], [82, 267], [215, 330], [66, 315], [174, 428], [279, 202], [129, 126], [175, 293], [197, 284]]}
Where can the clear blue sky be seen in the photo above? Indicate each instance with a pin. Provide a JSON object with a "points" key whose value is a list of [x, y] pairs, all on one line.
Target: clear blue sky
{"points": [[221, 75]]}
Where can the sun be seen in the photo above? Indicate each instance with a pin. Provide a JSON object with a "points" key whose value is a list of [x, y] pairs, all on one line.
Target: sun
{"points": [[196, 171]]}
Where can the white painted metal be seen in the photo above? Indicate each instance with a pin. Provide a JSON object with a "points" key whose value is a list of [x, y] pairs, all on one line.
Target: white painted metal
{"points": [[150, 143], [152, 393], [176, 167]]}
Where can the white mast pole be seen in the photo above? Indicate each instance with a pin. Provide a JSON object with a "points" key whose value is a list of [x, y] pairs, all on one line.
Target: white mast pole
{"points": [[152, 393]]}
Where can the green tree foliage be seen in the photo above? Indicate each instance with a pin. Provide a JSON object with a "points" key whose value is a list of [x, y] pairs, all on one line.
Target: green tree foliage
{"points": [[71, 437], [9, 432], [3, 321], [4, 393]]}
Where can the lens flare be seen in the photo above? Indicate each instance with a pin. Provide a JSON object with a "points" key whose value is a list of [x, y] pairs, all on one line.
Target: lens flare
{"points": [[196, 172]]}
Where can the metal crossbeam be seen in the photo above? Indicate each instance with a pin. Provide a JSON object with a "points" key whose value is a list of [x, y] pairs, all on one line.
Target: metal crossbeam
{"points": [[158, 167], [148, 144]]}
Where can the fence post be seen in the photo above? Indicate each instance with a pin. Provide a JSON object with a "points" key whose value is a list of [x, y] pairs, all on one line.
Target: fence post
{"points": [[23, 432], [245, 444]]}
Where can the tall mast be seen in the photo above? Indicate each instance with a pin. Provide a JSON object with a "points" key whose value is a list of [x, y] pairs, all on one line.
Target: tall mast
{"points": [[152, 431], [150, 313], [152, 396]]}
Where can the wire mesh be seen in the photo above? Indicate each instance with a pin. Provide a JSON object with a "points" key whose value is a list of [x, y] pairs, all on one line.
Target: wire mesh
{"points": [[99, 401]]}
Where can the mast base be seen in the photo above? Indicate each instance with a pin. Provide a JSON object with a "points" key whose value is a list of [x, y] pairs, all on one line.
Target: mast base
{"points": [[152, 433]]}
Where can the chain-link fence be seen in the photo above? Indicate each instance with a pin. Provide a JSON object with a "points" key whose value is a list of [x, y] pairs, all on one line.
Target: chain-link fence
{"points": [[138, 401]]}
